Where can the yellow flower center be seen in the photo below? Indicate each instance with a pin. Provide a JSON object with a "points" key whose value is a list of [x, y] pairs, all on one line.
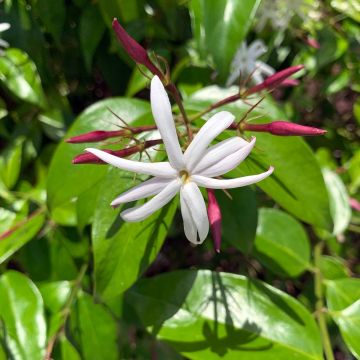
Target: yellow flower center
{"points": [[185, 176]]}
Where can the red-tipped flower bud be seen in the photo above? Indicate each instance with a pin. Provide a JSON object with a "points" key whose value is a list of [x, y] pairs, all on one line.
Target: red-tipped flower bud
{"points": [[214, 214], [134, 49], [98, 135], [88, 158], [312, 42], [275, 80], [290, 82], [355, 204], [284, 128]]}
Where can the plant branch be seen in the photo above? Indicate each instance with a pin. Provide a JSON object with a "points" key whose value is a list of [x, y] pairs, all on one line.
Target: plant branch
{"points": [[318, 282], [66, 312]]}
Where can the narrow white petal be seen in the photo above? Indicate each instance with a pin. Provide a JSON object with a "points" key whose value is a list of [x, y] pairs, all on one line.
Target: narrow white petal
{"points": [[4, 26], [219, 151], [189, 225], [4, 43], [141, 191], [139, 213], [160, 169], [161, 109], [209, 131], [196, 205], [230, 183], [230, 162], [265, 68]]}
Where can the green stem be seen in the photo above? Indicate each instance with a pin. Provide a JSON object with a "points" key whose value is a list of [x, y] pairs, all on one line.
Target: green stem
{"points": [[320, 302], [66, 311]]}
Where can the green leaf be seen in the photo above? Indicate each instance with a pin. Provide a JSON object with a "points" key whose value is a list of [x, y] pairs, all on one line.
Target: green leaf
{"points": [[19, 74], [350, 8], [281, 243], [211, 315], [333, 268], [339, 201], [68, 351], [123, 250], [97, 330], [239, 217], [67, 181], [21, 308], [20, 234], [297, 183], [341, 293], [52, 14], [55, 294], [91, 30], [10, 163], [343, 300], [220, 26]]}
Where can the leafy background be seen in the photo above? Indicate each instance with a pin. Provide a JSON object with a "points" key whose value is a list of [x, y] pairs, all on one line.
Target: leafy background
{"points": [[78, 283]]}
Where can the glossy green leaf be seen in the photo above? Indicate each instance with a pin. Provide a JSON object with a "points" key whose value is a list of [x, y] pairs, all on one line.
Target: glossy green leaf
{"points": [[343, 300], [239, 217], [19, 74], [341, 293], [55, 294], [68, 351], [20, 234], [21, 308], [211, 315], [339, 201], [123, 250], [67, 181], [52, 14], [333, 268], [91, 30], [297, 183], [281, 243], [219, 27], [97, 330], [10, 163]]}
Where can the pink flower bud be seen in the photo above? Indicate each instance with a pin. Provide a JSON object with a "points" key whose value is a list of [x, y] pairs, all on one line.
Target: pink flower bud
{"points": [[290, 82], [95, 136], [275, 80], [312, 42], [355, 204], [214, 214], [284, 128], [88, 158], [134, 49]]}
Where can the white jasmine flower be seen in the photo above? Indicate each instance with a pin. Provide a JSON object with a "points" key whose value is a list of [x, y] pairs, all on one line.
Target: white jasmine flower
{"points": [[246, 63], [184, 172], [3, 27]]}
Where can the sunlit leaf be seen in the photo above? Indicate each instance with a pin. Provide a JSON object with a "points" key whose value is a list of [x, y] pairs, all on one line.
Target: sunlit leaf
{"points": [[21, 308], [212, 315], [19, 74], [20, 234]]}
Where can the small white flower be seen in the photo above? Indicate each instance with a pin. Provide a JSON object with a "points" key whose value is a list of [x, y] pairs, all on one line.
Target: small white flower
{"points": [[246, 63], [185, 171], [3, 43]]}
